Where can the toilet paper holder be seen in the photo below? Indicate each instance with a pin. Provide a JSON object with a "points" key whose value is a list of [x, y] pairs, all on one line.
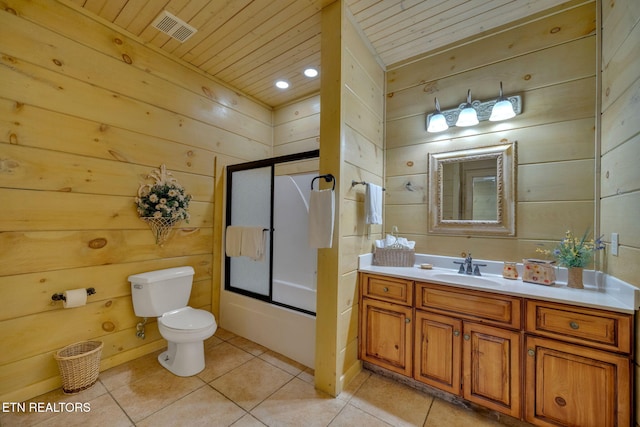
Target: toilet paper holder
{"points": [[61, 297]]}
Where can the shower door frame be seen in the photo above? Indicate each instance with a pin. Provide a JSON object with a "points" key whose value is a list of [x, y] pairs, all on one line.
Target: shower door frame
{"points": [[271, 162]]}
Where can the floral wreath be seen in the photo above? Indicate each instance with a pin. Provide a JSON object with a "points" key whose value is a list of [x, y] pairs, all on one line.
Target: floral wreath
{"points": [[163, 199]]}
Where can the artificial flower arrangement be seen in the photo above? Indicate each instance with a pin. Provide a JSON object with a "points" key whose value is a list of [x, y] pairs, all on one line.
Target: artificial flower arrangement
{"points": [[163, 199], [573, 251]]}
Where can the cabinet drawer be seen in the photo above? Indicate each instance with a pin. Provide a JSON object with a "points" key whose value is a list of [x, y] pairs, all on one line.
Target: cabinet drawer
{"points": [[480, 306], [593, 327], [399, 291]]}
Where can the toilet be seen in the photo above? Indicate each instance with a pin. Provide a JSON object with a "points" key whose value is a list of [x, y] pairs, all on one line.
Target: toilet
{"points": [[164, 294]]}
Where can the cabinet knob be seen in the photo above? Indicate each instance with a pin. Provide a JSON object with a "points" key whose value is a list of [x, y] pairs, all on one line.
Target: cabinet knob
{"points": [[574, 325], [467, 337], [385, 289], [531, 352], [407, 320], [456, 333]]}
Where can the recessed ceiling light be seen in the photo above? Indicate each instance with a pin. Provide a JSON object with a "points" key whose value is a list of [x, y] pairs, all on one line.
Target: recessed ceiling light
{"points": [[311, 72], [281, 84]]}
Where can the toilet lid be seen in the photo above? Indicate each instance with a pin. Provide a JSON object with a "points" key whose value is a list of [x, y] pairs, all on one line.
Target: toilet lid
{"points": [[187, 318]]}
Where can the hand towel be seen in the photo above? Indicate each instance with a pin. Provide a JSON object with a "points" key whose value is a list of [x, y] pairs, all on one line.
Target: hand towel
{"points": [[253, 243], [321, 215], [233, 240], [373, 204]]}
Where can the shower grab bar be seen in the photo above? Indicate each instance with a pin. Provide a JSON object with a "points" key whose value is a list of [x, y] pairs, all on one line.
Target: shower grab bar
{"points": [[354, 183], [328, 178]]}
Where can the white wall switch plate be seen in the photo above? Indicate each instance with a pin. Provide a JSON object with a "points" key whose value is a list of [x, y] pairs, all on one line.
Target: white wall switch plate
{"points": [[614, 244]]}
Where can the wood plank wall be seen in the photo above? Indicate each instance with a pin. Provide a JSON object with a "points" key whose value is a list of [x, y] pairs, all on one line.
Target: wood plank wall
{"points": [[550, 61], [620, 175], [85, 114], [352, 134], [362, 160], [296, 127]]}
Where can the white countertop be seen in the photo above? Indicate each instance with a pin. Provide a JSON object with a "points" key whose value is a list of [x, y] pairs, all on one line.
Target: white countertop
{"points": [[601, 290]]}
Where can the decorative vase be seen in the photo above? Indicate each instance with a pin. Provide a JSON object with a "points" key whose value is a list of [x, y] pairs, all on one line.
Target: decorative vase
{"points": [[575, 277]]}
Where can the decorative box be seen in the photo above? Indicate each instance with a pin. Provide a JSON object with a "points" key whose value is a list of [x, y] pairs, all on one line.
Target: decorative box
{"points": [[510, 271], [539, 271]]}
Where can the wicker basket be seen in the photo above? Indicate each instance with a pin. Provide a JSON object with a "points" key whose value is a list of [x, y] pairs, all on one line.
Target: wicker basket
{"points": [[392, 257], [79, 365]]}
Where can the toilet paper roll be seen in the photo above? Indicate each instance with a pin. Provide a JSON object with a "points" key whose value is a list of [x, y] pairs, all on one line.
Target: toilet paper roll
{"points": [[75, 298]]}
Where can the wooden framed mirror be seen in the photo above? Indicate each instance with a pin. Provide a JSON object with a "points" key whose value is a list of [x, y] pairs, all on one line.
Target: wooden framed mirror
{"points": [[472, 191]]}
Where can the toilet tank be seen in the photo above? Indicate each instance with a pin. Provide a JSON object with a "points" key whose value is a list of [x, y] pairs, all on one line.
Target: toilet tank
{"points": [[157, 292]]}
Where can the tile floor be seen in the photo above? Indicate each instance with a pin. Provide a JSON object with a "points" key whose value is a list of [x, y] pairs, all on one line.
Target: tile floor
{"points": [[243, 385]]}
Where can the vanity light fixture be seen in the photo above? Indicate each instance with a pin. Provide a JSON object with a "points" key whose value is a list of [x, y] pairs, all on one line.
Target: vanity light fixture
{"points": [[503, 109], [281, 84], [468, 115], [437, 120], [470, 112]]}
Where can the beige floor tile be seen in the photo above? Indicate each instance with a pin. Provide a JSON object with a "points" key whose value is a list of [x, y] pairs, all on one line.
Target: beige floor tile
{"points": [[224, 335], [351, 416], [102, 411], [444, 413], [251, 383], [248, 346], [148, 395], [211, 342], [248, 421], [392, 402], [221, 359], [130, 372], [352, 387], [298, 404], [308, 375], [283, 362], [203, 407]]}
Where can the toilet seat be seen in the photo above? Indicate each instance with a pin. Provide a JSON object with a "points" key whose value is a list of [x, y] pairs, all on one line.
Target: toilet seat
{"points": [[187, 319]]}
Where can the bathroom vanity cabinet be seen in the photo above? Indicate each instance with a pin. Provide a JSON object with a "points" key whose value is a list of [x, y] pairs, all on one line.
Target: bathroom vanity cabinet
{"points": [[386, 329], [548, 363], [469, 342], [578, 367]]}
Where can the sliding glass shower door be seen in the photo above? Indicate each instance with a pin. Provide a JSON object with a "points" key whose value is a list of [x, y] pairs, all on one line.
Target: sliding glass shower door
{"points": [[251, 202]]}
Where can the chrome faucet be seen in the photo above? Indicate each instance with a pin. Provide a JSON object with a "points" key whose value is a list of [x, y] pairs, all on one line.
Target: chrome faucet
{"points": [[468, 267], [468, 264]]}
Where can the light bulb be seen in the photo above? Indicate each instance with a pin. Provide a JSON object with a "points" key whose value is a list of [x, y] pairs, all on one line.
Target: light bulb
{"points": [[468, 115], [437, 122], [502, 110]]}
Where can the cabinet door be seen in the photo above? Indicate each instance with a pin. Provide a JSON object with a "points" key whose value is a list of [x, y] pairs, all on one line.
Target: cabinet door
{"points": [[386, 338], [491, 368], [571, 385], [438, 346]]}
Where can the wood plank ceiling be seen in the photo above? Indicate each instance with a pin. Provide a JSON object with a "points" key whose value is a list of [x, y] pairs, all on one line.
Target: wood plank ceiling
{"points": [[249, 44]]}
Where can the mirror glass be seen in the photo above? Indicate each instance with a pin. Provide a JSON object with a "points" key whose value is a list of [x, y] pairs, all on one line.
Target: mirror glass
{"points": [[472, 191]]}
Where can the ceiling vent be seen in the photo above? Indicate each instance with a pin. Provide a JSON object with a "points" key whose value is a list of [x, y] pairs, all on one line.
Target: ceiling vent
{"points": [[173, 26]]}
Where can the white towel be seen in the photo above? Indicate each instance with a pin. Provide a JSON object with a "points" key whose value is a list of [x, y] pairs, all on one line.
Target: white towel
{"points": [[253, 243], [373, 204], [321, 214], [245, 241], [233, 240]]}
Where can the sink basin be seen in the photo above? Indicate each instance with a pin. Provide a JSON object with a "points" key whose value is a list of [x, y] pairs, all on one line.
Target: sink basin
{"points": [[466, 280]]}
